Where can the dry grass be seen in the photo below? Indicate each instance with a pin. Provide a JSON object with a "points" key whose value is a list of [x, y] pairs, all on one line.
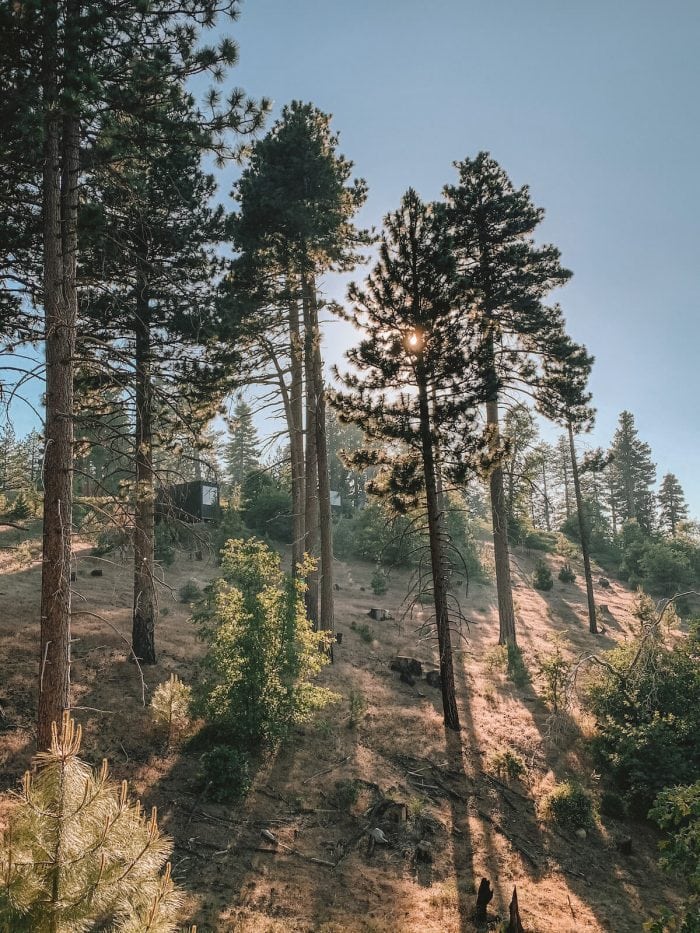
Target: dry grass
{"points": [[396, 747]]}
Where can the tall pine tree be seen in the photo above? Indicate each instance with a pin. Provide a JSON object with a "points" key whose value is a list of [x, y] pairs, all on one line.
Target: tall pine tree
{"points": [[507, 276], [672, 506], [415, 388], [242, 453], [632, 476]]}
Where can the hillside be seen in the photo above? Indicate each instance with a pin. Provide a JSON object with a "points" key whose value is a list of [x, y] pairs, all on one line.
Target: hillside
{"points": [[338, 776]]}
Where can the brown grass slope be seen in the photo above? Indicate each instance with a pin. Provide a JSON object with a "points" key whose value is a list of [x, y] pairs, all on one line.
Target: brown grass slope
{"points": [[330, 783]]}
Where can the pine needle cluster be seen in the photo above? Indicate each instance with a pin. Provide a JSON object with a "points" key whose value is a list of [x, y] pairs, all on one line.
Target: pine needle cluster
{"points": [[79, 855], [170, 705]]}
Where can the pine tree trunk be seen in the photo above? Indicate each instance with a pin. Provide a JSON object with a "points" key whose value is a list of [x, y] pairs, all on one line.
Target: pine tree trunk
{"points": [[547, 518], [437, 559], [59, 233], [567, 498], [311, 512], [583, 532], [506, 611], [327, 620], [145, 608], [296, 433]]}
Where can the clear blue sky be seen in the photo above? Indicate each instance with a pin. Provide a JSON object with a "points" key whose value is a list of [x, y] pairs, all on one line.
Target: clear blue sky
{"points": [[594, 104]]}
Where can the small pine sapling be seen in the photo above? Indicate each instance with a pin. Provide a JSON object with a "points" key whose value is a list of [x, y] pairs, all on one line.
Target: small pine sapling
{"points": [[555, 670], [79, 855], [542, 578], [170, 705]]}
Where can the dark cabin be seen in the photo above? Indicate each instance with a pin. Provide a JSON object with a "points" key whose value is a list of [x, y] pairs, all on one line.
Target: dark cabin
{"points": [[196, 501]]}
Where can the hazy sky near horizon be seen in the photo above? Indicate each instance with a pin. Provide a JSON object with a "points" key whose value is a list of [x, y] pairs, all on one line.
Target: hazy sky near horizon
{"points": [[594, 105]]}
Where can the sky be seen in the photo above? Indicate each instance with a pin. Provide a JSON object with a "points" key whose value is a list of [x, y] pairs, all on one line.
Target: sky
{"points": [[593, 104]]}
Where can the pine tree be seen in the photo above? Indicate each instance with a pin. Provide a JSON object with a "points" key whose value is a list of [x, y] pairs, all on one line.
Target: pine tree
{"points": [[520, 433], [78, 854], [416, 388], [632, 475], [242, 452], [295, 222], [71, 64], [672, 505], [507, 278], [567, 401]]}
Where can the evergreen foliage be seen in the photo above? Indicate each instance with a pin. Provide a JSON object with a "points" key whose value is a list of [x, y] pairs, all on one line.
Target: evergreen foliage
{"points": [[242, 453], [78, 854], [542, 577], [672, 506], [262, 654], [677, 811], [170, 705], [632, 474], [569, 806], [647, 708]]}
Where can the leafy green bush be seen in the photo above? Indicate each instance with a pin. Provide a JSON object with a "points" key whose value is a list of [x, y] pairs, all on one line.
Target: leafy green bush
{"points": [[612, 804], [647, 708], [569, 806], [378, 582], [225, 773], [566, 574], [189, 592], [507, 764], [677, 811], [542, 577], [266, 507], [509, 660], [230, 525], [555, 669], [165, 544], [262, 655]]}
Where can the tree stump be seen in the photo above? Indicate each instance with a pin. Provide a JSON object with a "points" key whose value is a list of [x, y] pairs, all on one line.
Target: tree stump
{"points": [[514, 923], [97, 572], [406, 665], [483, 899]]}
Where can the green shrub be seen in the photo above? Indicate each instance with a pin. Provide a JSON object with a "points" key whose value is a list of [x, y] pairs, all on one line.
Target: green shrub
{"points": [[345, 794], [378, 582], [267, 507], [165, 544], [230, 525], [569, 806], [677, 812], [224, 773], [78, 854], [189, 592], [647, 709], [365, 632], [358, 708], [555, 670], [516, 668], [21, 508], [613, 805], [170, 704], [262, 653], [536, 540], [542, 577], [507, 764], [566, 574], [509, 660]]}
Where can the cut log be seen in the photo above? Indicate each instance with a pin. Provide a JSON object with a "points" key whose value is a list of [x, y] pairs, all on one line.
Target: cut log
{"points": [[483, 899], [97, 572], [406, 665]]}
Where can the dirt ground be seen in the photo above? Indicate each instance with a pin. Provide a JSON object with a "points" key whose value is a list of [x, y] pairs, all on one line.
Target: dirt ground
{"points": [[328, 785]]}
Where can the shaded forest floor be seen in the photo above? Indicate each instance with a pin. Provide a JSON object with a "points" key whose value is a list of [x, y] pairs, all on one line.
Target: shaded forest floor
{"points": [[330, 782]]}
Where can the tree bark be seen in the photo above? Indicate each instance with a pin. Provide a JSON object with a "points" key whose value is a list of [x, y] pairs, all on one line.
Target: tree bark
{"points": [[326, 620], [311, 511], [437, 558], [547, 518], [499, 519], [145, 605], [583, 533], [296, 433], [59, 234]]}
